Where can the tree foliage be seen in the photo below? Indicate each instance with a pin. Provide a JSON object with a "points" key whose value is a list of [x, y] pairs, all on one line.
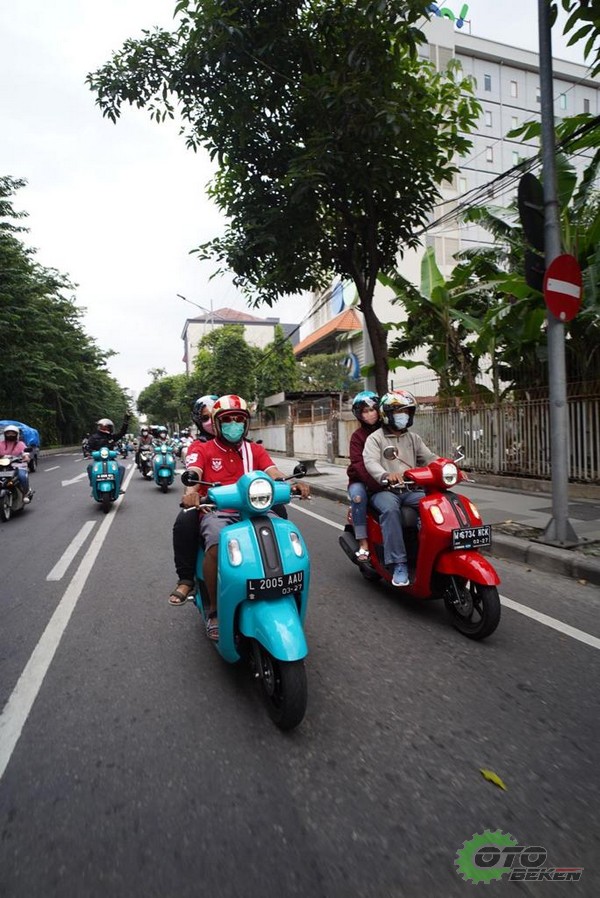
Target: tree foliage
{"points": [[277, 369], [52, 375], [331, 135], [583, 24]]}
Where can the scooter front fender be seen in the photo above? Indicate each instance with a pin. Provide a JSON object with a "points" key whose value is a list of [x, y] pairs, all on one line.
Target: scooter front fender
{"points": [[468, 564], [275, 623], [105, 486]]}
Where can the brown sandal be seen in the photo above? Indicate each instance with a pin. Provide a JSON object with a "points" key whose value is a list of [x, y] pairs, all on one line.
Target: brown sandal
{"points": [[177, 597]]}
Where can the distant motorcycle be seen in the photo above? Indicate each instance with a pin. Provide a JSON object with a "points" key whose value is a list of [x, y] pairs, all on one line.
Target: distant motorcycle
{"points": [[163, 466], [146, 455], [11, 494], [105, 477]]}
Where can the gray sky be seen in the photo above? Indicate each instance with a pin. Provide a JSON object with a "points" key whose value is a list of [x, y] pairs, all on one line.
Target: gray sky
{"points": [[118, 207]]}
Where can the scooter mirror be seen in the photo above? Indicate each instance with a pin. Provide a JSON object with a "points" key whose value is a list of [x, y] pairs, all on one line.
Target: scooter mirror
{"points": [[389, 452], [459, 453], [189, 478], [300, 470]]}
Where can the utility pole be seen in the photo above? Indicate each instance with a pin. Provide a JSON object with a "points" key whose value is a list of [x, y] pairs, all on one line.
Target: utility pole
{"points": [[559, 531]]}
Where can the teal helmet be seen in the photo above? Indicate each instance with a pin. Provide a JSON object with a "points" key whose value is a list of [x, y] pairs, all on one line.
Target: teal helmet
{"points": [[364, 399]]}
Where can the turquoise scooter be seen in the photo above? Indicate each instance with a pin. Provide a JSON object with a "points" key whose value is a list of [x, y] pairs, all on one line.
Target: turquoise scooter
{"points": [[105, 477], [262, 590], [163, 466]]}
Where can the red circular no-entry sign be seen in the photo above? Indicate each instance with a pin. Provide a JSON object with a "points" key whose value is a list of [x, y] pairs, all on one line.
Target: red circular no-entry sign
{"points": [[563, 287]]}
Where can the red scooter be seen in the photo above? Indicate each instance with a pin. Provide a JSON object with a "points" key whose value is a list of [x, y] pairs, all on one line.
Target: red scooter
{"points": [[442, 540]]}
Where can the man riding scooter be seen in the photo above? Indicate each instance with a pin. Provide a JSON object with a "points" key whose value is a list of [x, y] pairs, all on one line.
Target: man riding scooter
{"points": [[397, 411]]}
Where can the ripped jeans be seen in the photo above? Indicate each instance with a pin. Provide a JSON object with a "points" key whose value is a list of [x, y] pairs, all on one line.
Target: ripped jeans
{"points": [[358, 508]]}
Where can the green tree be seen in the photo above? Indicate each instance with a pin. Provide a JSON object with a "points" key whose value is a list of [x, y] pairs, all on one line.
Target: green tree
{"points": [[164, 400], [325, 372], [583, 24], [277, 369], [52, 374], [226, 363], [331, 135]]}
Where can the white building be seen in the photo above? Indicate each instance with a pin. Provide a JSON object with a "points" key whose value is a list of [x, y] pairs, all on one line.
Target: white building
{"points": [[257, 331], [508, 88]]}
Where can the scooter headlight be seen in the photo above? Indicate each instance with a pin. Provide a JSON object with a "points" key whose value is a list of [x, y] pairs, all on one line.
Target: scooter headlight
{"points": [[104, 452], [450, 474], [260, 493]]}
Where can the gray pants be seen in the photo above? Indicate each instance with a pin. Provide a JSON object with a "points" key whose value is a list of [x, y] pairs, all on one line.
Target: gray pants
{"points": [[389, 505]]}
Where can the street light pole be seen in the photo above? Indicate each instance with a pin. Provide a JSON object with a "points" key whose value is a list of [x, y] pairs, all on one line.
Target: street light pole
{"points": [[211, 319]]}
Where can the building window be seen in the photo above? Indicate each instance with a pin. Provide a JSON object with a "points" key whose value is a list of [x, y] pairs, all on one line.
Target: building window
{"points": [[514, 89], [538, 95], [515, 157], [462, 184], [562, 101], [489, 154], [488, 119], [487, 82], [514, 122], [586, 105]]}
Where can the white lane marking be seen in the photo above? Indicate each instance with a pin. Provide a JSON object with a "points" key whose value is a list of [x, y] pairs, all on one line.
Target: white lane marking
{"points": [[55, 468], [60, 568], [538, 616], [319, 517], [16, 711], [552, 622], [75, 479]]}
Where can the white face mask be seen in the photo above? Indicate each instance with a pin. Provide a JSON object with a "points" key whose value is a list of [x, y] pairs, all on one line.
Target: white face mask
{"points": [[401, 420]]}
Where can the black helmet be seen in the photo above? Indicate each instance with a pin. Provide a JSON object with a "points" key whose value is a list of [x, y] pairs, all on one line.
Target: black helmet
{"points": [[202, 412]]}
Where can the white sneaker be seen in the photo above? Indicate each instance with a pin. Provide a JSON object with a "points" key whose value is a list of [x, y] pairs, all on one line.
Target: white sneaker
{"points": [[400, 575]]}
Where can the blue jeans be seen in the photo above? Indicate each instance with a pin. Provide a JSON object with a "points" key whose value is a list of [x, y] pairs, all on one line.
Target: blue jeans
{"points": [[358, 508], [23, 475], [389, 505]]}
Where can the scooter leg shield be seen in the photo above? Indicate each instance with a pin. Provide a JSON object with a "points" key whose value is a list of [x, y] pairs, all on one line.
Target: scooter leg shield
{"points": [[470, 565], [275, 623]]}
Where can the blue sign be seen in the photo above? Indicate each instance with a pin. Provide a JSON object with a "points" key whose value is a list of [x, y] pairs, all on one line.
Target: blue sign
{"points": [[337, 299], [444, 13]]}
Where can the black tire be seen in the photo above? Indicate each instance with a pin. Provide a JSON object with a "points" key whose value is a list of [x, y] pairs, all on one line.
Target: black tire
{"points": [[105, 503], [164, 486], [5, 507], [284, 689], [473, 608], [32, 465]]}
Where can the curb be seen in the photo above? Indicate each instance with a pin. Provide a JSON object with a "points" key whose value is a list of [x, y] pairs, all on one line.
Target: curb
{"points": [[549, 559]]}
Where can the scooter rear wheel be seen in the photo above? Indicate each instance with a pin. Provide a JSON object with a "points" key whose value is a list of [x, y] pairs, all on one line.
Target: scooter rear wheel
{"points": [[473, 608], [284, 689], [105, 503]]}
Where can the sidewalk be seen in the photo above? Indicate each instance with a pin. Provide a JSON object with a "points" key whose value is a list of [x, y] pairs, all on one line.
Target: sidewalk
{"points": [[504, 508]]}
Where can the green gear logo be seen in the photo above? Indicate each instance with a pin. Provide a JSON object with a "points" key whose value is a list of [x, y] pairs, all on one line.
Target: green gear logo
{"points": [[465, 857]]}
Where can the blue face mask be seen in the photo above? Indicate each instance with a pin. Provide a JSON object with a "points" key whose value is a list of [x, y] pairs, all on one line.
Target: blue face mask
{"points": [[401, 420], [233, 431]]}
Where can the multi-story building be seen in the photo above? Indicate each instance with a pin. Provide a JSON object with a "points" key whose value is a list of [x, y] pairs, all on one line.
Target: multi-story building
{"points": [[508, 89], [257, 331]]}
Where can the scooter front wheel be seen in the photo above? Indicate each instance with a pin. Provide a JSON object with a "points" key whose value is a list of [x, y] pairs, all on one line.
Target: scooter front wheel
{"points": [[5, 507], [473, 608], [105, 503], [284, 689]]}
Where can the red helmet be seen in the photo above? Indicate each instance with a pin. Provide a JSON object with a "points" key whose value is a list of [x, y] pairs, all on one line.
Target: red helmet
{"points": [[234, 406]]}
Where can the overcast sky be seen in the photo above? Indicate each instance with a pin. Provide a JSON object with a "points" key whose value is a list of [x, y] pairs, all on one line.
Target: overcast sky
{"points": [[119, 207]]}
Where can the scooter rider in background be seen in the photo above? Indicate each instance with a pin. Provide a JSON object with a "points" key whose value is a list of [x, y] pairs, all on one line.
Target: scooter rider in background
{"points": [[365, 408], [221, 460], [104, 435], [397, 411], [12, 444], [144, 439], [202, 417]]}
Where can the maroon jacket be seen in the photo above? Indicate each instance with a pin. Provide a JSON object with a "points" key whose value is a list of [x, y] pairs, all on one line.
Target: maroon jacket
{"points": [[356, 471]]}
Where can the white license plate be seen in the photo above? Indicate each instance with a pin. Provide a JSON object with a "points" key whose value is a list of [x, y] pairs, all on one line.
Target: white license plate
{"points": [[273, 587], [472, 537], [105, 476]]}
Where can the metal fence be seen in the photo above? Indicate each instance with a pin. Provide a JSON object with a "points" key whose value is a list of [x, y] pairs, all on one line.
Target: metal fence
{"points": [[511, 438]]}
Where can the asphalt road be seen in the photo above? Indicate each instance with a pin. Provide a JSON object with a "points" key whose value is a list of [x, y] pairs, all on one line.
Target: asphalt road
{"points": [[140, 764]]}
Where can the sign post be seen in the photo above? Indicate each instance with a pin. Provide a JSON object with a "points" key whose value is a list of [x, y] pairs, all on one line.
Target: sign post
{"points": [[559, 531]]}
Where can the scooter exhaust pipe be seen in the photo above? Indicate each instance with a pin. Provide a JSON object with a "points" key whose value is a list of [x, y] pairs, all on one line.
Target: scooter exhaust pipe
{"points": [[350, 545]]}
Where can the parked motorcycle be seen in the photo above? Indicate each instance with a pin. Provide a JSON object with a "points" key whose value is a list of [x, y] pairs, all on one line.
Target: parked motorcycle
{"points": [[263, 583], [146, 457], [442, 541], [163, 466], [11, 495], [106, 477]]}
